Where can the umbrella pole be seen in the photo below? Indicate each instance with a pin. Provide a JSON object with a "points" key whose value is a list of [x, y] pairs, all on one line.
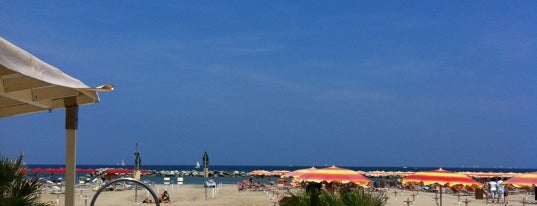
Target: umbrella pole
{"points": [[71, 125], [441, 194]]}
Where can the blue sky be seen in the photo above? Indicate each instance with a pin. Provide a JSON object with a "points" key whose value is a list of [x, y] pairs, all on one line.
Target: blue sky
{"points": [[349, 83]]}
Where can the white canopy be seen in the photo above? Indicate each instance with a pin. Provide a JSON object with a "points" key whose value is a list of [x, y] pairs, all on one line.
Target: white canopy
{"points": [[29, 85]]}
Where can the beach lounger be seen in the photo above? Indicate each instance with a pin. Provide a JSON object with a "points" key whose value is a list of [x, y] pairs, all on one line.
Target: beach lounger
{"points": [[281, 184], [53, 189], [469, 191], [462, 192], [210, 183]]}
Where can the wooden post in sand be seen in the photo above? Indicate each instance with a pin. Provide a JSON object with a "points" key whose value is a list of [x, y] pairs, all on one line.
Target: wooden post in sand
{"points": [[466, 202], [407, 202], [440, 189]]}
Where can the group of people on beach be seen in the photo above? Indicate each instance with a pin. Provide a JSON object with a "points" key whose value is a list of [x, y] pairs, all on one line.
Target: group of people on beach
{"points": [[496, 190], [250, 184]]}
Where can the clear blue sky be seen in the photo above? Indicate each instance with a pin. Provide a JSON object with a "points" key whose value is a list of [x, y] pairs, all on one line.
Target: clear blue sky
{"points": [[356, 83]]}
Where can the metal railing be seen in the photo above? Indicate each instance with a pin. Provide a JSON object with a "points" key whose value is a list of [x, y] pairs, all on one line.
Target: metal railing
{"points": [[155, 197]]}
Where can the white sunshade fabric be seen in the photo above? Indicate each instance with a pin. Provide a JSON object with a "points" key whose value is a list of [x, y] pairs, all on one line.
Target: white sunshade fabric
{"points": [[29, 85]]}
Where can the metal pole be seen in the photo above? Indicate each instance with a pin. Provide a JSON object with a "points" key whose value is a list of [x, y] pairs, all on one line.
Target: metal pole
{"points": [[136, 193]]}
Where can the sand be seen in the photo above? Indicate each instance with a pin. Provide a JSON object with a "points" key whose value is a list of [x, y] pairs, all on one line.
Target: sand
{"points": [[228, 194]]}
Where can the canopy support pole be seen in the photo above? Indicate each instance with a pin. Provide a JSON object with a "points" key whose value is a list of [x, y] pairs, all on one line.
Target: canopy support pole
{"points": [[71, 126]]}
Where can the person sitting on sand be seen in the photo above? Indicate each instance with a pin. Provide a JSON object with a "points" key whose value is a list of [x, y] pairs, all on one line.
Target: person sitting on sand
{"points": [[165, 197], [242, 186], [147, 200]]}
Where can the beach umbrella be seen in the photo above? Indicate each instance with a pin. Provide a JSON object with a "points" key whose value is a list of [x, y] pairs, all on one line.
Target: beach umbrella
{"points": [[123, 171], [523, 180], [88, 170], [298, 172], [279, 172], [260, 173], [38, 170], [24, 171], [205, 165], [137, 159], [334, 174], [61, 170], [441, 177], [119, 171], [56, 170], [377, 173], [30, 85], [490, 174]]}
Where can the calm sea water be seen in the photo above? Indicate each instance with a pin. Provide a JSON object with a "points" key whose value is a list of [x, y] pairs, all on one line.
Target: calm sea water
{"points": [[241, 168]]}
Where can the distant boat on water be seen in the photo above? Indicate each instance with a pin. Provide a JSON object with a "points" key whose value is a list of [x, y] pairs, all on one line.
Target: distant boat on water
{"points": [[121, 164], [197, 165]]}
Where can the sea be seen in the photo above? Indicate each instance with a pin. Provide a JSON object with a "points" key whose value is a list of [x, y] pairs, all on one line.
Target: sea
{"points": [[249, 168]]}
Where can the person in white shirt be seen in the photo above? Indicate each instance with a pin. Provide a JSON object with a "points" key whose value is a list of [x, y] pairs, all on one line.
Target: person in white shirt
{"points": [[493, 190], [501, 190]]}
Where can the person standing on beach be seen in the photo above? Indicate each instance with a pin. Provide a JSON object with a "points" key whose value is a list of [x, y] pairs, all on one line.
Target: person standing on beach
{"points": [[493, 190], [501, 190]]}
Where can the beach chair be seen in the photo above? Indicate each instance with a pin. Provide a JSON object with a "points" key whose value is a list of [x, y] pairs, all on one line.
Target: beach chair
{"points": [[470, 191], [210, 183], [513, 190], [53, 189], [454, 190], [280, 184], [166, 182]]}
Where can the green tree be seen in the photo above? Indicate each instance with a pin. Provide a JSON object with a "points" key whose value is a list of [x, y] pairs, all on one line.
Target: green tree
{"points": [[15, 188]]}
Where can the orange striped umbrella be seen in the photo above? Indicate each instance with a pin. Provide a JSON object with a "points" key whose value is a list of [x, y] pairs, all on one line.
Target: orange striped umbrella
{"points": [[335, 174], [523, 180], [260, 173], [279, 172], [299, 172], [439, 176]]}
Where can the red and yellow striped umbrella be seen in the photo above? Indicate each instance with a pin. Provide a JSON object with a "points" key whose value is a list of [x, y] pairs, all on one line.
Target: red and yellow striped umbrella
{"points": [[335, 174], [299, 172], [523, 180], [439, 176]]}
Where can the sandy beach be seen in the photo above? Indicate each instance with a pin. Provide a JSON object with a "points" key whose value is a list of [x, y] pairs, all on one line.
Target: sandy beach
{"points": [[228, 194]]}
